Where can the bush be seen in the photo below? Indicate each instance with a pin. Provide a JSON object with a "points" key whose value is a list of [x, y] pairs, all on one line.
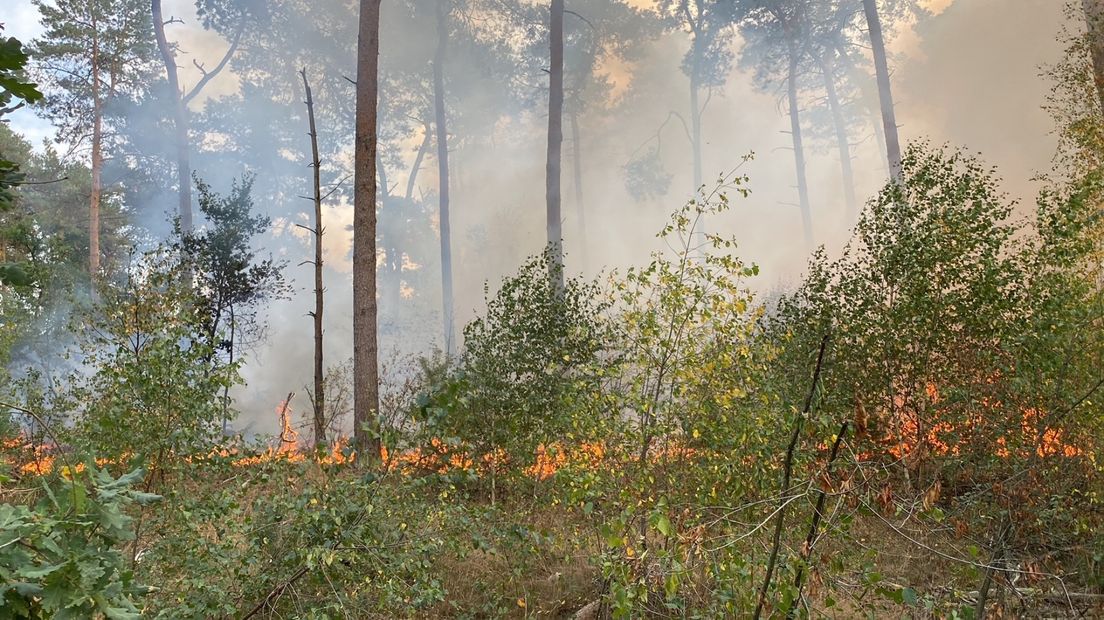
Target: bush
{"points": [[62, 558]]}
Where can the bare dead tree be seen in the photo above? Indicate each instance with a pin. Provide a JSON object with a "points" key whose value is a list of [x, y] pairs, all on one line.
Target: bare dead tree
{"points": [[814, 527], [319, 396]]}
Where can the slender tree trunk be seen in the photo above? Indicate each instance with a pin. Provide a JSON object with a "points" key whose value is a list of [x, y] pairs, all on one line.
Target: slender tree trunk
{"points": [[842, 142], [799, 151], [787, 472], [695, 89], [885, 95], [180, 120], [392, 287], [422, 150], [319, 365], [696, 126], [443, 176], [577, 165], [869, 100], [1094, 19], [696, 120], [555, 142], [97, 165], [366, 433]]}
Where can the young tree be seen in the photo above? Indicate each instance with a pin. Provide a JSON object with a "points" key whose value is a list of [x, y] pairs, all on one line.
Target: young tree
{"points": [[231, 282], [365, 330], [555, 139], [179, 105], [93, 54]]}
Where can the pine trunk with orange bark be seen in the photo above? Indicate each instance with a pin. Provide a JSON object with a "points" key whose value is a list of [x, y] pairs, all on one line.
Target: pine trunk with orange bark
{"points": [[366, 432]]}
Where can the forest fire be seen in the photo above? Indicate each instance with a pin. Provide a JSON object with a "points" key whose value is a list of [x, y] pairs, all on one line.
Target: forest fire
{"points": [[908, 435]]}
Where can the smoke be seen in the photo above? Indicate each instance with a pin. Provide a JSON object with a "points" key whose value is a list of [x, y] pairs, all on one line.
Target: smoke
{"points": [[966, 75]]}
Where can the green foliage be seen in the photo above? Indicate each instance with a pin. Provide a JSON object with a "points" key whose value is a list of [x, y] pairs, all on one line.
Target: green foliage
{"points": [[13, 86], [62, 558], [152, 389], [13, 61], [526, 376], [231, 282], [963, 347], [79, 85], [225, 550]]}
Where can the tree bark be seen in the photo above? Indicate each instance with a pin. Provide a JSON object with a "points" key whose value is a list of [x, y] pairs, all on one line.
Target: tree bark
{"points": [[799, 149], [443, 177], [842, 142], [885, 94], [319, 365], [180, 120], [555, 142], [366, 433], [1094, 19]]}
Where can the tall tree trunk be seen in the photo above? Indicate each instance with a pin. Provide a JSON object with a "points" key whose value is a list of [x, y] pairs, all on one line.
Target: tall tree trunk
{"points": [[799, 150], [97, 165], [577, 165], [1094, 19], [443, 176], [696, 124], [869, 100], [885, 95], [695, 89], [423, 148], [180, 120], [842, 142], [366, 433], [696, 114], [319, 366], [555, 142], [392, 286]]}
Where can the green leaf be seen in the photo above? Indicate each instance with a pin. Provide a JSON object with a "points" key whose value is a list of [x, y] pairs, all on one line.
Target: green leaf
{"points": [[908, 595]]}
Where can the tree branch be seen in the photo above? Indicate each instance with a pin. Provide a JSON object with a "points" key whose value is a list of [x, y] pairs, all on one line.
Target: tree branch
{"points": [[208, 76]]}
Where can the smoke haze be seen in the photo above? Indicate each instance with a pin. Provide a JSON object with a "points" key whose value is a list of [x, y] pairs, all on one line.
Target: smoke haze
{"points": [[966, 75]]}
